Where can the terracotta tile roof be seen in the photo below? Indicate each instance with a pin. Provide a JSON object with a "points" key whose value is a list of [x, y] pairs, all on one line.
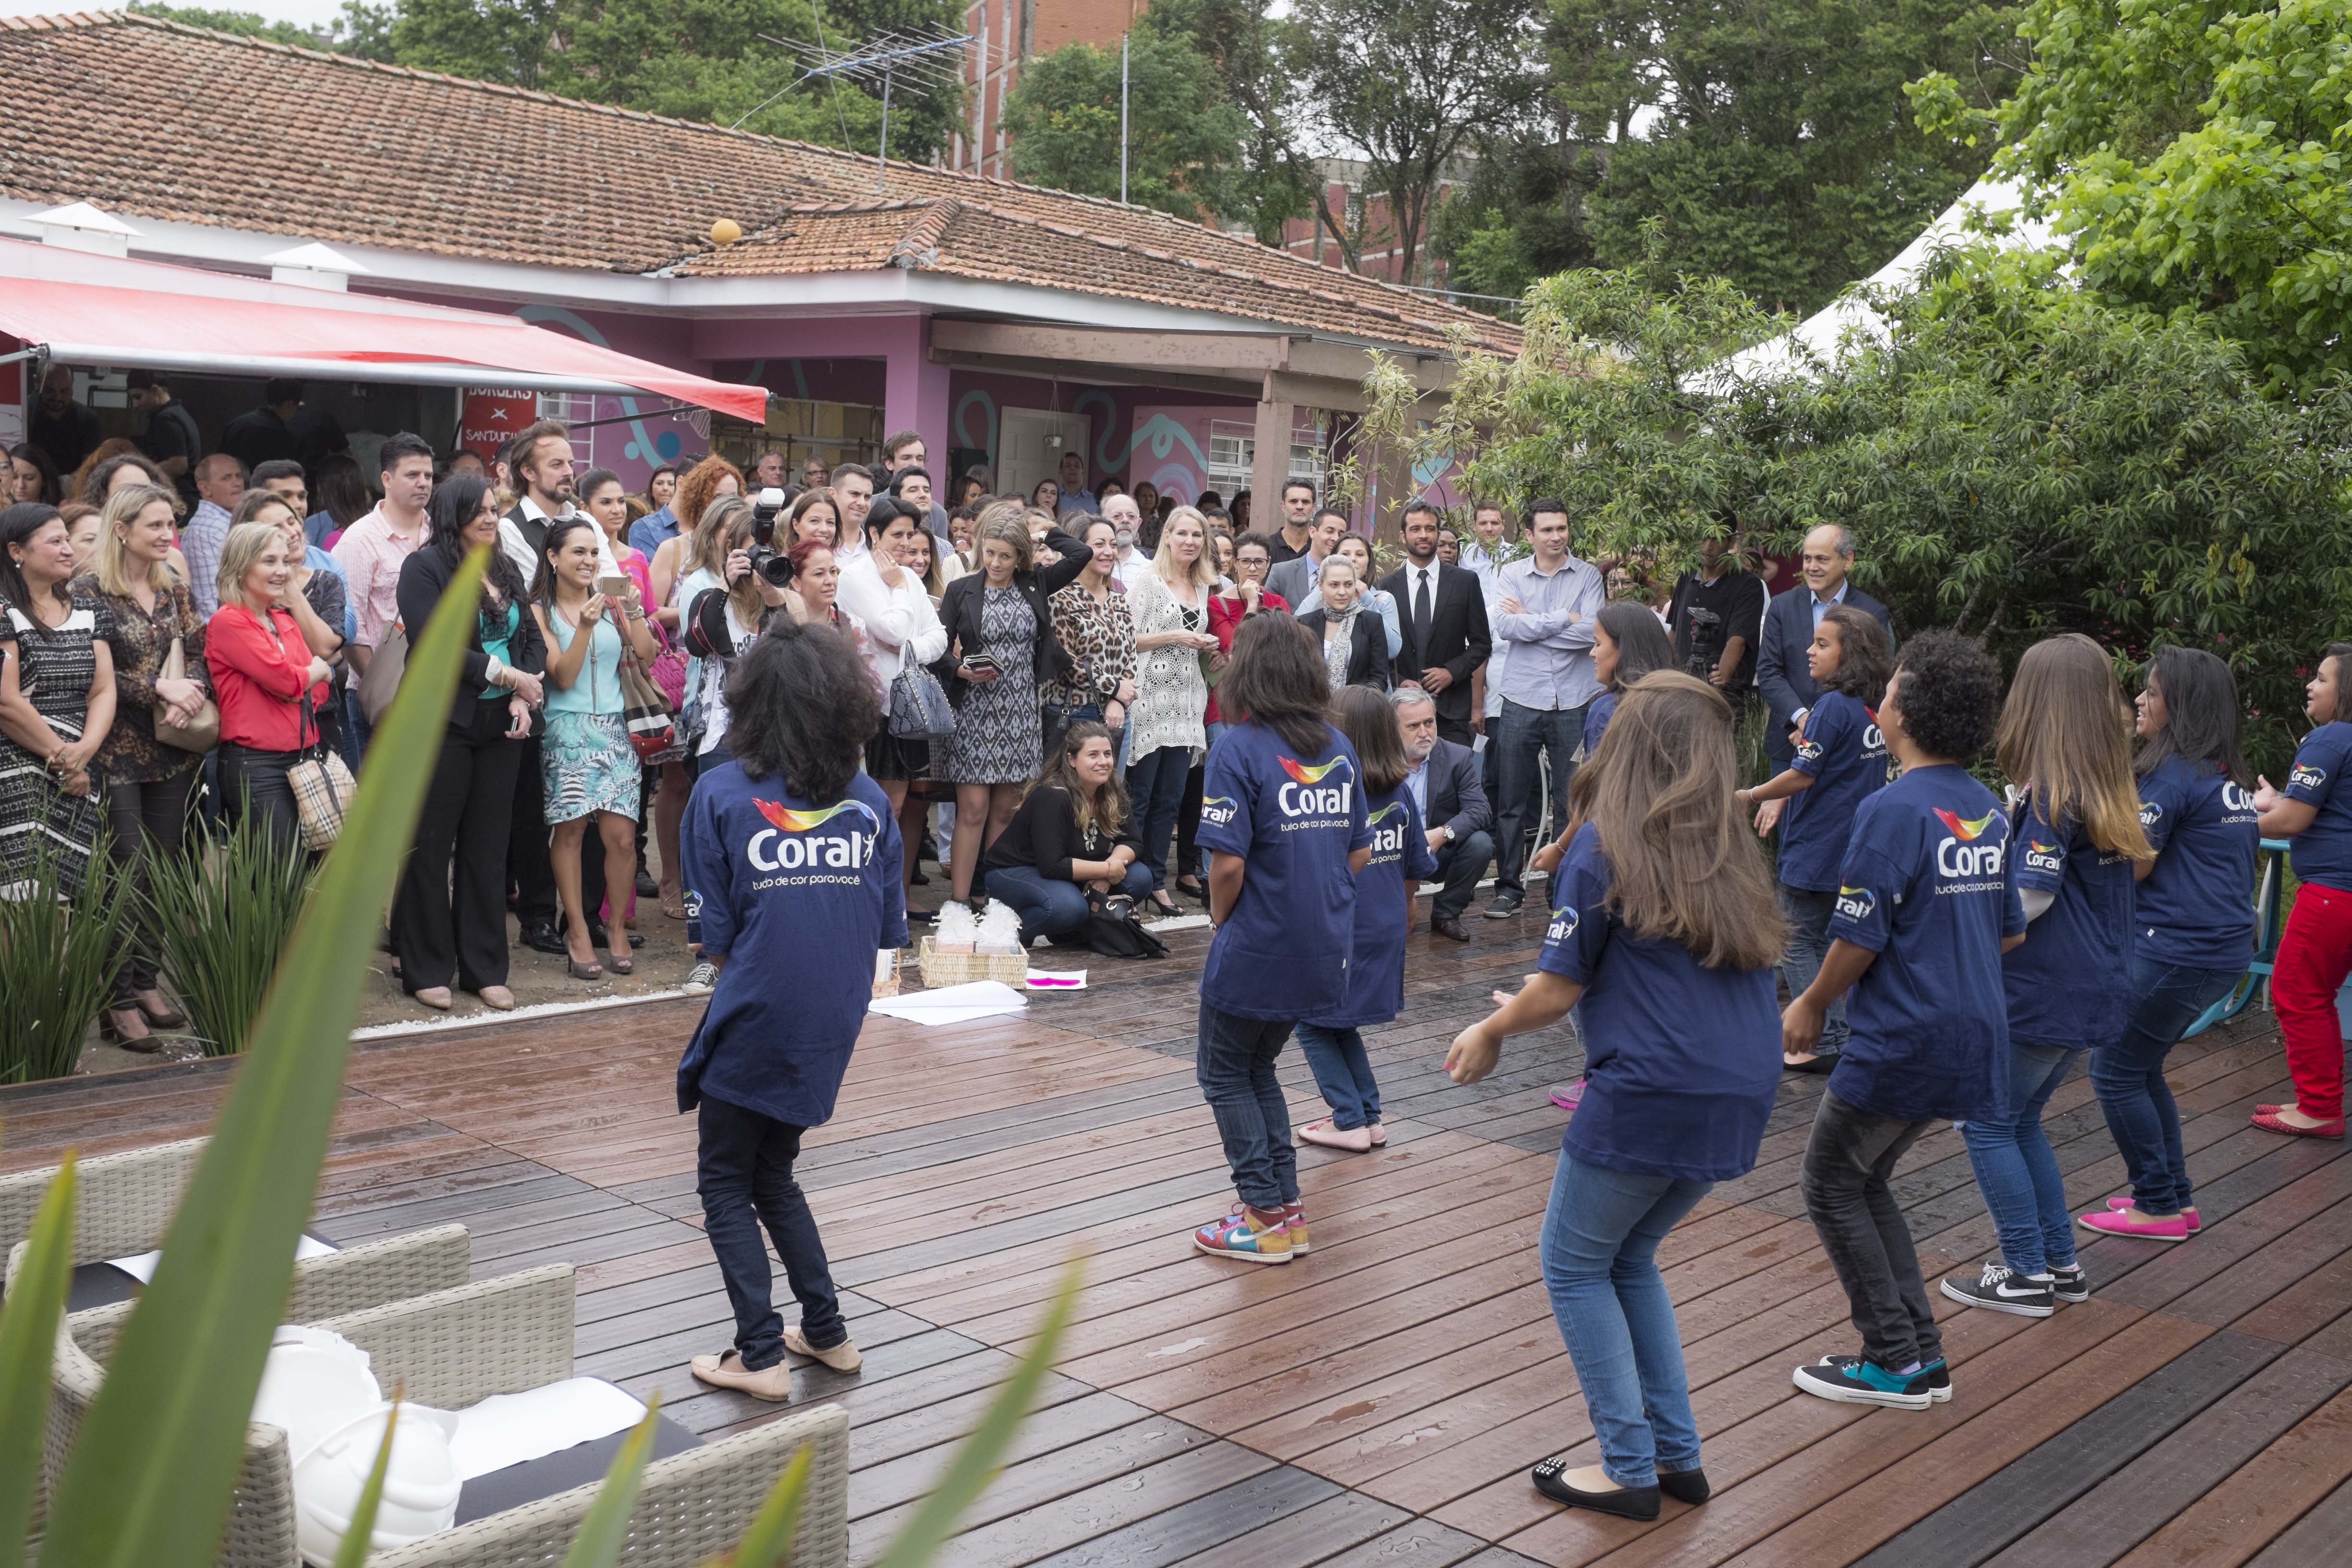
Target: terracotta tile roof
{"points": [[155, 118]]}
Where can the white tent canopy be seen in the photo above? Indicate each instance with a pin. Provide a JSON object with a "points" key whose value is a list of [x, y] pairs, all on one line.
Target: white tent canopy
{"points": [[1824, 335]]}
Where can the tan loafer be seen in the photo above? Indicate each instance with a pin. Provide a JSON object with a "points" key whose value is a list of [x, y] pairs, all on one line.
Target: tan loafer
{"points": [[497, 997], [1355, 1140], [843, 1357], [727, 1370], [434, 997]]}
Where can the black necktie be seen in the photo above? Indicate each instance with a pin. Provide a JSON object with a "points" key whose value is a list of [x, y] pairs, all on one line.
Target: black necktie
{"points": [[1421, 612]]}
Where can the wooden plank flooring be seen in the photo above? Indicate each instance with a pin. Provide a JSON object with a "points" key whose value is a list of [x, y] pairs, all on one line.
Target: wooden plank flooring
{"points": [[1381, 1400]]}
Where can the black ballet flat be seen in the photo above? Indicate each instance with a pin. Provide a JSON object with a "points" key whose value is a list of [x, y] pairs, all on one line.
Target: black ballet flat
{"points": [[1685, 1486], [1628, 1502], [1823, 1063]]}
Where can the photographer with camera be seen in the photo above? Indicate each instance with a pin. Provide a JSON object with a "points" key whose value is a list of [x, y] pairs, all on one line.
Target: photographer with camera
{"points": [[1715, 616], [725, 611]]}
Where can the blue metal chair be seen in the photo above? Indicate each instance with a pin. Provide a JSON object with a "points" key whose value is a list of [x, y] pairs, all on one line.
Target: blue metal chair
{"points": [[2269, 921]]}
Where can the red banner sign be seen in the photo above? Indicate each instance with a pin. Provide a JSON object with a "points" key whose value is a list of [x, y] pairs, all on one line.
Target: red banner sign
{"points": [[492, 417]]}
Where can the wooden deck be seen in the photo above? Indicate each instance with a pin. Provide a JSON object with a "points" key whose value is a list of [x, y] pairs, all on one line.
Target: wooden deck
{"points": [[1381, 1400]]}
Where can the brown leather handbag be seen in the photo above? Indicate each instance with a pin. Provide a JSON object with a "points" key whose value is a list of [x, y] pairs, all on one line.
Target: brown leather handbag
{"points": [[200, 734]]}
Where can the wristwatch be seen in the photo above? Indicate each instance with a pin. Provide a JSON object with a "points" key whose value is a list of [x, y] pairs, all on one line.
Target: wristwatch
{"points": [[1447, 829]]}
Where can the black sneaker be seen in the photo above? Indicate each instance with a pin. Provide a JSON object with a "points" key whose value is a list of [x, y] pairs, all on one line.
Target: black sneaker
{"points": [[1627, 1502], [2004, 1289], [1507, 904], [1855, 1380], [2070, 1283]]}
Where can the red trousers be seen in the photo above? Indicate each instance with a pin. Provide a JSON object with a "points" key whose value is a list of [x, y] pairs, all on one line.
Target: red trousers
{"points": [[2314, 957]]}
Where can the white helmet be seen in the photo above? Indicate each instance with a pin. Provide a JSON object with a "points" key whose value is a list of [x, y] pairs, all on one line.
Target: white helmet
{"points": [[313, 1382], [420, 1487]]}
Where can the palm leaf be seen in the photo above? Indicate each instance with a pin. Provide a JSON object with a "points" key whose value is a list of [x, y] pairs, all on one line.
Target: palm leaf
{"points": [[28, 1331], [770, 1534], [978, 1462], [148, 1485], [354, 1551], [606, 1529]]}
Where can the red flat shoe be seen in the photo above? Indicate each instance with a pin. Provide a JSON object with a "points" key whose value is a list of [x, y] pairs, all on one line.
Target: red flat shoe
{"points": [[2274, 1123]]}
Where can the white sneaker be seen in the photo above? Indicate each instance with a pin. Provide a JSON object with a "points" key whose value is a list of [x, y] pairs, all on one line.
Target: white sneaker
{"points": [[704, 977]]}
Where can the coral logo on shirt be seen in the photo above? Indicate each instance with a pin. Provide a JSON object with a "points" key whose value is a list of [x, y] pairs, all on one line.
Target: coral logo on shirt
{"points": [[1217, 810], [1562, 927], [2151, 812], [2041, 856], [1809, 751], [1856, 903], [1307, 793], [801, 839], [1874, 741], [1388, 830], [1960, 853], [2238, 804], [2305, 776]]}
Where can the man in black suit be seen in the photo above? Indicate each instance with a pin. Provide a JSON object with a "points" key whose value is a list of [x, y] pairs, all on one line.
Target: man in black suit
{"points": [[1442, 610], [1789, 622], [1453, 807]]}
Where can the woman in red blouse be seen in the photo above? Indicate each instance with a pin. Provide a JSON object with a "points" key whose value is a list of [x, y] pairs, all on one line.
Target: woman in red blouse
{"points": [[265, 677]]}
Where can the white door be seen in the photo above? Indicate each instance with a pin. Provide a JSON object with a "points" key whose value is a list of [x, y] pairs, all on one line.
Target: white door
{"points": [[1031, 442]]}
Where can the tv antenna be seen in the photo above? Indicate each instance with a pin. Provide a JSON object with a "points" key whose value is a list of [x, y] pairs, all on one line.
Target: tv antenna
{"points": [[917, 61]]}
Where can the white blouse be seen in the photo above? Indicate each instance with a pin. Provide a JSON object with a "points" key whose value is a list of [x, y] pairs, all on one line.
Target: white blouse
{"points": [[1172, 695], [900, 623]]}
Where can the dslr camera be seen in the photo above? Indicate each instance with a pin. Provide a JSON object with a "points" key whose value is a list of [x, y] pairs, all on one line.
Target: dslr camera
{"points": [[1706, 641], [766, 559]]}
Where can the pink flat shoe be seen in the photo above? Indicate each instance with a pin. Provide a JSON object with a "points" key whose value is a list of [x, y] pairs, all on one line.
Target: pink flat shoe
{"points": [[1380, 1135], [1354, 1140], [2122, 1201], [2112, 1222], [2270, 1121], [1568, 1096]]}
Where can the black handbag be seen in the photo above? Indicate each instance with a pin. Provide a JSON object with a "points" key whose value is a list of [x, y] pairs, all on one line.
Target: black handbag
{"points": [[1113, 931]]}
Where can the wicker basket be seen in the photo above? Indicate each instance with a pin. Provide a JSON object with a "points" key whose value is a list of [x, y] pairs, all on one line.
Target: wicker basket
{"points": [[957, 968]]}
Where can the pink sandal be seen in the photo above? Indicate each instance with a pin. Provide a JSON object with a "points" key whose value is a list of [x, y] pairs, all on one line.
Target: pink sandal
{"points": [[1568, 1096]]}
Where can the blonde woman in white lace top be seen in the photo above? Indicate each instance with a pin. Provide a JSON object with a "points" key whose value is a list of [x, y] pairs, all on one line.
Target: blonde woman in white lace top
{"points": [[1165, 726]]}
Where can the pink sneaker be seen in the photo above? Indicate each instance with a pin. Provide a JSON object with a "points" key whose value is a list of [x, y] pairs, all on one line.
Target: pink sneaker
{"points": [[2122, 1200], [1568, 1096], [2113, 1221]]}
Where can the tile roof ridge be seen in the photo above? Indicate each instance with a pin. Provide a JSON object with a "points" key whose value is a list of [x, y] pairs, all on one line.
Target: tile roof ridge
{"points": [[919, 246]]}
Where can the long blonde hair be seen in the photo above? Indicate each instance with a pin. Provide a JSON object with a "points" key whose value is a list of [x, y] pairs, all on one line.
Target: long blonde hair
{"points": [[1683, 866], [111, 564], [1204, 564], [2065, 735]]}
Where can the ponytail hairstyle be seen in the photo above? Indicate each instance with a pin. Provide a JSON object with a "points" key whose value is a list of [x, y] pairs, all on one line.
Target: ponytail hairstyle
{"points": [[1683, 867], [2203, 722], [1864, 660], [2063, 736]]}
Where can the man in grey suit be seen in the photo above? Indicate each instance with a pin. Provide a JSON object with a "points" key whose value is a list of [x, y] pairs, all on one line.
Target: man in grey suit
{"points": [[1454, 812], [1789, 622], [1294, 580]]}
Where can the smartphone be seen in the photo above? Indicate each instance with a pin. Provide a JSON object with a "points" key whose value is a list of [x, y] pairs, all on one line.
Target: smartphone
{"points": [[613, 587]]}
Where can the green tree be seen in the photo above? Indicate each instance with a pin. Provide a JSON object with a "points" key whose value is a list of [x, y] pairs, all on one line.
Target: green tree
{"points": [[1410, 87], [351, 34], [1272, 183], [1774, 138], [2195, 152], [1184, 143]]}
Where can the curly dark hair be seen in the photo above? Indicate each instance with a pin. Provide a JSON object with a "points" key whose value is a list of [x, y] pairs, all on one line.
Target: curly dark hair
{"points": [[800, 706], [1950, 699], [1864, 660]]}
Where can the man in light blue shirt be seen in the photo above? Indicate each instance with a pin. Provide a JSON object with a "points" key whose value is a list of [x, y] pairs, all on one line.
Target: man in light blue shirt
{"points": [[220, 480], [1546, 608]]}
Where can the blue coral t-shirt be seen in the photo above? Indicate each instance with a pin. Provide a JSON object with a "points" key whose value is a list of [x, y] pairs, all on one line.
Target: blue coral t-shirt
{"points": [[1925, 886], [1845, 755], [1384, 890], [2196, 907], [2322, 853], [1596, 721], [2070, 983], [1283, 952], [797, 898], [1681, 1062]]}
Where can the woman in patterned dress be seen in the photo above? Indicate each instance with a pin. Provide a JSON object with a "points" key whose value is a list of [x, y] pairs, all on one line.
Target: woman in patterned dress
{"points": [[1166, 730], [999, 613], [1092, 623], [57, 701], [588, 766], [147, 781]]}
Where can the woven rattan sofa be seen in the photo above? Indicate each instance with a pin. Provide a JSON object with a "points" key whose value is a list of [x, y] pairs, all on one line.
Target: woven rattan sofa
{"points": [[454, 1347]]}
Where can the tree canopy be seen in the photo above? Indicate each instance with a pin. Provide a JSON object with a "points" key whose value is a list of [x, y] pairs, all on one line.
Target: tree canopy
{"points": [[1183, 139]]}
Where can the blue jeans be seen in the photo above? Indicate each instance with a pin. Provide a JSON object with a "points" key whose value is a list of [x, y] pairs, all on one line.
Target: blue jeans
{"points": [[1236, 1072], [1155, 788], [1526, 734], [2128, 1077], [744, 1169], [1343, 1072], [1048, 906], [1600, 1254], [2016, 1170], [1809, 913]]}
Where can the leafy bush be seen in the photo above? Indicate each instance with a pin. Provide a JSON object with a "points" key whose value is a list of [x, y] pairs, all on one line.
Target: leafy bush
{"points": [[224, 914], [57, 962]]}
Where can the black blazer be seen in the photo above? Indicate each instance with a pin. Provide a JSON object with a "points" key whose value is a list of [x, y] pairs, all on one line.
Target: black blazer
{"points": [[1457, 796], [960, 609], [1458, 637], [423, 577], [1367, 655], [1780, 671]]}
